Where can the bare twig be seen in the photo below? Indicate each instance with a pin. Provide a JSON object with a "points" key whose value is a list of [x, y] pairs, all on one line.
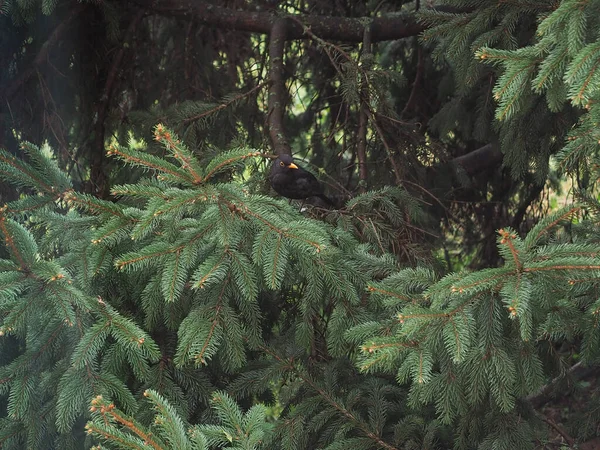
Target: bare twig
{"points": [[387, 149], [361, 149], [520, 213], [559, 429]]}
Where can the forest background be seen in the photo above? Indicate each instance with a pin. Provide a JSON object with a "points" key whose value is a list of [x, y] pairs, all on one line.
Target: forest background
{"points": [[155, 292]]}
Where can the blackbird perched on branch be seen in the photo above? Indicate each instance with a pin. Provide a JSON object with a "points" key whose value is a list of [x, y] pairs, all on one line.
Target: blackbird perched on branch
{"points": [[292, 181]]}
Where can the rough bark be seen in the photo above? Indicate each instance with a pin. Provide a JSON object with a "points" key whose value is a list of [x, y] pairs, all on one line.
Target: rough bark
{"points": [[277, 89], [326, 27]]}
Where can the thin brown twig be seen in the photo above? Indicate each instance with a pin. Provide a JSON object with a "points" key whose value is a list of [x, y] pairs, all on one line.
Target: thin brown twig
{"points": [[387, 149], [367, 110], [559, 429]]}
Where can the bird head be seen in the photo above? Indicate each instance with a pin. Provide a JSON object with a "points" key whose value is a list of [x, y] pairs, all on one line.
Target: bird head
{"points": [[286, 162]]}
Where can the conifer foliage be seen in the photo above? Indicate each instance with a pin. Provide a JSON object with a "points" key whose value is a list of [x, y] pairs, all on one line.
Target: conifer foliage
{"points": [[112, 298], [187, 284], [191, 310]]}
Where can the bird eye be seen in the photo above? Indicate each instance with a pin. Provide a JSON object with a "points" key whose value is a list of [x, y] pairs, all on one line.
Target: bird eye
{"points": [[281, 163]]}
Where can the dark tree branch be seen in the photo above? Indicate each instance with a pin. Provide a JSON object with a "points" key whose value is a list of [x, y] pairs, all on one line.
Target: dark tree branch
{"points": [[559, 429], [534, 193], [412, 99], [42, 55], [543, 396], [326, 27], [361, 148], [280, 30], [277, 90], [97, 174], [479, 160]]}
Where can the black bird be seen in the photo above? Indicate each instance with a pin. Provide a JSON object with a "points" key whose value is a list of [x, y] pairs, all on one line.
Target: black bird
{"points": [[292, 181]]}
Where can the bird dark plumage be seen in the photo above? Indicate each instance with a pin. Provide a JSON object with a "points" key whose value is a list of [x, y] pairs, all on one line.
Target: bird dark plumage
{"points": [[292, 181]]}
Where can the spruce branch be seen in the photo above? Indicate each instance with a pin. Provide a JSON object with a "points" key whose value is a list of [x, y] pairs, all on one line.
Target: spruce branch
{"points": [[226, 104], [200, 356], [507, 238], [510, 90], [329, 399], [9, 240], [561, 267], [481, 281], [92, 204], [389, 293], [142, 191], [549, 223], [552, 67], [179, 152], [379, 355], [137, 158], [23, 172], [345, 412], [29, 204], [227, 159], [284, 232], [544, 394], [175, 281], [211, 267], [145, 256], [110, 414], [90, 344]]}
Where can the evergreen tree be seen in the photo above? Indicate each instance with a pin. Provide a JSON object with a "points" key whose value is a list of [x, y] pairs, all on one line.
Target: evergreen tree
{"points": [[189, 283], [181, 306]]}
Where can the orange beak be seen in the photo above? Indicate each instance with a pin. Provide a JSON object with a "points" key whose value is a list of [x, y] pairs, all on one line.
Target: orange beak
{"points": [[293, 166]]}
